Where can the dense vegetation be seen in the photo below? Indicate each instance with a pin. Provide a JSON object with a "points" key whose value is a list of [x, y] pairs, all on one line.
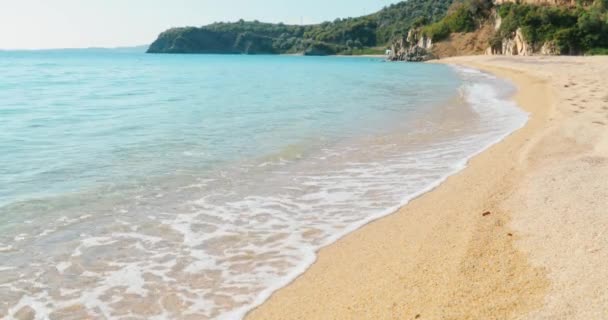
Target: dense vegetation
{"points": [[583, 29], [344, 36], [580, 29], [463, 16]]}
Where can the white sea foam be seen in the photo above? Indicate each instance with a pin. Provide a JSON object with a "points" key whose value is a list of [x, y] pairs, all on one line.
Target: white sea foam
{"points": [[220, 246]]}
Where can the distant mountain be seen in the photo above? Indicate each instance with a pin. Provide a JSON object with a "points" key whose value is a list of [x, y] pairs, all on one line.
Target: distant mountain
{"points": [[371, 33], [134, 49]]}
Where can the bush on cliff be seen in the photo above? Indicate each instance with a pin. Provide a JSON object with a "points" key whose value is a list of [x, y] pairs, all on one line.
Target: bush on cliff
{"points": [[321, 49], [462, 17]]}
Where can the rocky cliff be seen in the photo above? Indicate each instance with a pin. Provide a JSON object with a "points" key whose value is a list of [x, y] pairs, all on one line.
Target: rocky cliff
{"points": [[548, 27], [415, 47], [510, 27], [516, 44]]}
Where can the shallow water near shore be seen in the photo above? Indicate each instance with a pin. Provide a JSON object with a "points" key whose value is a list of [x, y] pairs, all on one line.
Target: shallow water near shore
{"points": [[153, 186]]}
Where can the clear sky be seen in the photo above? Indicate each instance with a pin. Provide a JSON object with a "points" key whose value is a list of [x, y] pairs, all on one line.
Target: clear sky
{"points": [[36, 24]]}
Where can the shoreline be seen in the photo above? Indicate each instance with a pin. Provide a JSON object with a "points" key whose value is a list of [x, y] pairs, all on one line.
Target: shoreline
{"points": [[442, 255], [406, 199]]}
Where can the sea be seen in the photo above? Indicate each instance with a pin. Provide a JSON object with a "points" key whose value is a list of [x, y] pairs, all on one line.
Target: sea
{"points": [[140, 186]]}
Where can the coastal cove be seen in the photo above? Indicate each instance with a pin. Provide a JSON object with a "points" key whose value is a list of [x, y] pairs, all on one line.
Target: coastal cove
{"points": [[304, 160], [172, 211], [404, 222]]}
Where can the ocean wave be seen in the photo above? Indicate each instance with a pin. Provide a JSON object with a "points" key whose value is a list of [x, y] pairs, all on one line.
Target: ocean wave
{"points": [[219, 245]]}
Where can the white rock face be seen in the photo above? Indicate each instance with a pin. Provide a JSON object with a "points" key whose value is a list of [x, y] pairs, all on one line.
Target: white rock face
{"points": [[518, 46], [415, 47], [425, 42], [414, 36], [549, 49], [521, 45], [509, 47], [497, 21]]}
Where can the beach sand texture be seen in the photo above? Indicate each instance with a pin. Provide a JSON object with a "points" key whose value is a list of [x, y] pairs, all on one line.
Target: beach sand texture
{"points": [[521, 233]]}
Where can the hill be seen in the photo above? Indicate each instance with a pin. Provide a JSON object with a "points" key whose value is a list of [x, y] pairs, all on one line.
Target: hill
{"points": [[531, 27], [342, 36]]}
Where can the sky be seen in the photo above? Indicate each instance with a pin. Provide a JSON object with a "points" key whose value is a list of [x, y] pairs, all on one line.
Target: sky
{"points": [[43, 24]]}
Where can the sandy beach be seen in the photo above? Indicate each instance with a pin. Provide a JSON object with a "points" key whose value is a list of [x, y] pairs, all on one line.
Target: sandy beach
{"points": [[521, 233]]}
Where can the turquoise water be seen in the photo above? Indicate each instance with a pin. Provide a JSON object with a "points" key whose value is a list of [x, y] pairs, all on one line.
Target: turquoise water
{"points": [[134, 185], [78, 121]]}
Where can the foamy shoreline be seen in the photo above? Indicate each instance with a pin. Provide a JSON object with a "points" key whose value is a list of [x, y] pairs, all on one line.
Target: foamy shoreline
{"points": [[503, 116], [475, 248]]}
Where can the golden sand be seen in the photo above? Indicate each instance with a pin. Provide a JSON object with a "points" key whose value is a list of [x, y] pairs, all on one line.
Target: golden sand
{"points": [[521, 233]]}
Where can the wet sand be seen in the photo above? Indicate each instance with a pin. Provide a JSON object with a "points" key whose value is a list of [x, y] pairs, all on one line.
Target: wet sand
{"points": [[521, 233]]}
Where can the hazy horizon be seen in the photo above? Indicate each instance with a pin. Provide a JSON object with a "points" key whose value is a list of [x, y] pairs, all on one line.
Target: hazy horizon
{"points": [[68, 24]]}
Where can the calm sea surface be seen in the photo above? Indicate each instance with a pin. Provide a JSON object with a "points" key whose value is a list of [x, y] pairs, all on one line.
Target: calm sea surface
{"points": [[192, 186]]}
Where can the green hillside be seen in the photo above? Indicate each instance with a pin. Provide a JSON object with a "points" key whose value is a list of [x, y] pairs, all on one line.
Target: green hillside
{"points": [[545, 28], [342, 36]]}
